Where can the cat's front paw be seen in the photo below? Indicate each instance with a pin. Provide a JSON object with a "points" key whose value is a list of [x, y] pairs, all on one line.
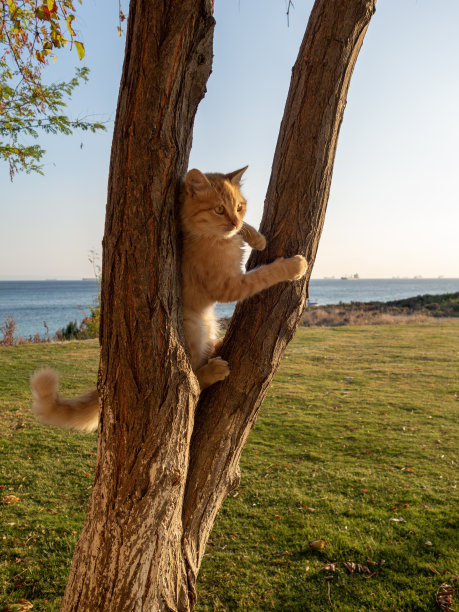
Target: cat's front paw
{"points": [[258, 242], [296, 266]]}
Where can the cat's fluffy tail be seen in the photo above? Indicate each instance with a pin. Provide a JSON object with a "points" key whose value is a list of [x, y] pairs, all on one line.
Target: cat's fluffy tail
{"points": [[78, 413]]}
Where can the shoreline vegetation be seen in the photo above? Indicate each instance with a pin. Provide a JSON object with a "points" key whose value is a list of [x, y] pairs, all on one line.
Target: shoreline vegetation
{"points": [[418, 309], [87, 329]]}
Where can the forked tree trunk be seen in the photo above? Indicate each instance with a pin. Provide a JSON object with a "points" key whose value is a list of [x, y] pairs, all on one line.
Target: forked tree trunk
{"points": [[163, 470]]}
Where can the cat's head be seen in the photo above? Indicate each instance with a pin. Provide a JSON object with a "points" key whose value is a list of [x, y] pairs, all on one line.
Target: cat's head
{"points": [[212, 205]]}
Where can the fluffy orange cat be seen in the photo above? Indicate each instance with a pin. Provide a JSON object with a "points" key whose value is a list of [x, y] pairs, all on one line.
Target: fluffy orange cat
{"points": [[212, 209]]}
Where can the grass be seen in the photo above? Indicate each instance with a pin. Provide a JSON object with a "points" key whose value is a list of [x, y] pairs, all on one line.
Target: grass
{"points": [[359, 427]]}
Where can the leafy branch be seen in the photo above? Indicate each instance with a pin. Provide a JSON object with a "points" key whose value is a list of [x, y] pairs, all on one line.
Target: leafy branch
{"points": [[31, 31]]}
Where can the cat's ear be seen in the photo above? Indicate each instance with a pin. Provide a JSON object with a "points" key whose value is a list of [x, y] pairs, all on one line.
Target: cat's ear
{"points": [[235, 177], [196, 182]]}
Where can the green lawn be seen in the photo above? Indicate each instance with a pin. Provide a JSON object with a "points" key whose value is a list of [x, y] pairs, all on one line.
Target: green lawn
{"points": [[360, 427]]}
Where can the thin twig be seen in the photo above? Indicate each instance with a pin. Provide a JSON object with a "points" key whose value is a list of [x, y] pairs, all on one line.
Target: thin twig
{"points": [[329, 597], [289, 6]]}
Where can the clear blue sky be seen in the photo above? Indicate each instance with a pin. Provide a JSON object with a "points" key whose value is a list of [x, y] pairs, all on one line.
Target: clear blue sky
{"points": [[394, 203]]}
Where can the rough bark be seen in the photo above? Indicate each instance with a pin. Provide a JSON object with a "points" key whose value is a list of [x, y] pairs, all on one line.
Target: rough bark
{"points": [[293, 218], [163, 472], [128, 556]]}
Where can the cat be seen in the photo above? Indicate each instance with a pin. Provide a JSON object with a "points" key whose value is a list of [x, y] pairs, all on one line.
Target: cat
{"points": [[212, 209]]}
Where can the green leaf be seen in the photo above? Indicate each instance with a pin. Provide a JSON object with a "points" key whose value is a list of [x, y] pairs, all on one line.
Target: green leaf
{"points": [[80, 49]]}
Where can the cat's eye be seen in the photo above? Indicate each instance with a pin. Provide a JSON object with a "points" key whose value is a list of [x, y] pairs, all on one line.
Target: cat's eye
{"points": [[239, 207], [219, 209]]}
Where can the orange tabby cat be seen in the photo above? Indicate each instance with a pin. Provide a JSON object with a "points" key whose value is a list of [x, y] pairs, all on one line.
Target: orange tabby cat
{"points": [[212, 210]]}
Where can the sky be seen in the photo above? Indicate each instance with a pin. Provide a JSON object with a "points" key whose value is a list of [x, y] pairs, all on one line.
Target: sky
{"points": [[394, 201]]}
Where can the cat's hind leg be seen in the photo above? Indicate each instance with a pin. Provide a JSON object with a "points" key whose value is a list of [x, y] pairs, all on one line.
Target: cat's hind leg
{"points": [[200, 335], [213, 371]]}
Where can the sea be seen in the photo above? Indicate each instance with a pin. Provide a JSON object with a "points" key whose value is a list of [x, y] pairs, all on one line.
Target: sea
{"points": [[57, 302]]}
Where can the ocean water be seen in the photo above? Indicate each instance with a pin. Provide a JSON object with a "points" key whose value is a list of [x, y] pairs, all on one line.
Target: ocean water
{"points": [[58, 302], [54, 302]]}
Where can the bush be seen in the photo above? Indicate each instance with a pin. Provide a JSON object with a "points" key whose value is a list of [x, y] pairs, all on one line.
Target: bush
{"points": [[88, 328], [90, 325], [71, 331]]}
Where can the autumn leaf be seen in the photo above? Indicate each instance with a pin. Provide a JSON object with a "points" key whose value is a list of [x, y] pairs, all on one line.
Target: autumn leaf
{"points": [[318, 545], [20, 606], [11, 499], [330, 567], [357, 567], [80, 49], [445, 597], [69, 20]]}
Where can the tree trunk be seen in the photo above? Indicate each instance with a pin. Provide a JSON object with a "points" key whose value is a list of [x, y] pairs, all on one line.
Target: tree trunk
{"points": [[128, 556], [163, 472], [294, 212]]}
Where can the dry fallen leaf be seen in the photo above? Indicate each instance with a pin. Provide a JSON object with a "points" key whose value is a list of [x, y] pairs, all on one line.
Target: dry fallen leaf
{"points": [[11, 499], [397, 520], [357, 567], [20, 606], [445, 597], [318, 545]]}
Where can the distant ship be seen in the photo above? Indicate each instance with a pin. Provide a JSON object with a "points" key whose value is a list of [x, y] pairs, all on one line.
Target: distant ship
{"points": [[88, 278], [351, 277]]}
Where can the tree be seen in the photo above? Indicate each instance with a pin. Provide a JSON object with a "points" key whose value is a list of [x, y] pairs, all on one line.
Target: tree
{"points": [[166, 462], [30, 33]]}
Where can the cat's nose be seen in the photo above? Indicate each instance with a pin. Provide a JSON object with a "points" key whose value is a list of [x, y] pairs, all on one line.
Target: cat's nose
{"points": [[236, 223]]}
